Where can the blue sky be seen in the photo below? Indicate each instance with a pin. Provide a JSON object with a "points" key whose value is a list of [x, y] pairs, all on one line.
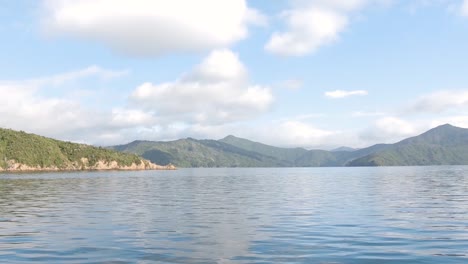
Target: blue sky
{"points": [[316, 74]]}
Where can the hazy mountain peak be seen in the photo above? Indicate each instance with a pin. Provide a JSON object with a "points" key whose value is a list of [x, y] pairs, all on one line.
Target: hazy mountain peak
{"points": [[343, 148], [446, 131], [444, 127], [230, 137]]}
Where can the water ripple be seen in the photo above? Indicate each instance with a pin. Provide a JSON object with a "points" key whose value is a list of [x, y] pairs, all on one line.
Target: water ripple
{"points": [[323, 215]]}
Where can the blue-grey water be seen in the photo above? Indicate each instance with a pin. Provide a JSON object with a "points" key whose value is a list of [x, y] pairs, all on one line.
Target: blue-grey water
{"points": [[317, 215]]}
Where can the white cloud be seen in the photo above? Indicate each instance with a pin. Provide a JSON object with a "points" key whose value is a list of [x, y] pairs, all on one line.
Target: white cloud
{"points": [[300, 118], [60, 79], [287, 132], [464, 9], [440, 101], [394, 126], [217, 90], [426, 112], [255, 17], [453, 7], [459, 121], [152, 27], [302, 133], [91, 71], [297, 133], [211, 98], [309, 116], [390, 129], [342, 94], [367, 114], [131, 117], [313, 24], [307, 30], [24, 107]]}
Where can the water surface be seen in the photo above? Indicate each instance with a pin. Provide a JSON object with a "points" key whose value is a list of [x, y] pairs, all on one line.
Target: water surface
{"points": [[317, 215]]}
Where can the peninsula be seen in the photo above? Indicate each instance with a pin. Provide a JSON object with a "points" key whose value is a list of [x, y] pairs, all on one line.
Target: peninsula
{"points": [[23, 152]]}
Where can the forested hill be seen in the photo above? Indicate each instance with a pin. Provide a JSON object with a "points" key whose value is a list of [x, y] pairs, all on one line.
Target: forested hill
{"points": [[20, 151], [442, 145]]}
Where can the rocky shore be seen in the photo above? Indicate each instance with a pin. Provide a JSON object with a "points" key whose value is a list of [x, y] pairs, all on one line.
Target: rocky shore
{"points": [[13, 166]]}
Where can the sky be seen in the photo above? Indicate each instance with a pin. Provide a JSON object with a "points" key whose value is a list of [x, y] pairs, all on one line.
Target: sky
{"points": [[291, 73]]}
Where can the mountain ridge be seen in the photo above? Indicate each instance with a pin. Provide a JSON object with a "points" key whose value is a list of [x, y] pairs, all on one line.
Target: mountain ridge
{"points": [[444, 144]]}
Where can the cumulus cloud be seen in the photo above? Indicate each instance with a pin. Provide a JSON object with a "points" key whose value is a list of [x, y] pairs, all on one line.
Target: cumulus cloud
{"points": [[440, 101], [423, 113], [212, 100], [131, 117], [390, 129], [205, 102], [24, 107], [152, 27], [216, 91], [308, 134], [297, 133], [308, 29], [311, 25], [305, 131], [395, 126], [342, 93]]}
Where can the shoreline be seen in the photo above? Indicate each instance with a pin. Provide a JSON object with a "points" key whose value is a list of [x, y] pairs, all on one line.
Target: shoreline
{"points": [[11, 172], [14, 167]]}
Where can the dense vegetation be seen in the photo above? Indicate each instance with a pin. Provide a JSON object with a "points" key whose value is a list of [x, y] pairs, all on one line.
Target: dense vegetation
{"points": [[34, 150], [198, 153], [287, 155], [442, 145], [233, 152]]}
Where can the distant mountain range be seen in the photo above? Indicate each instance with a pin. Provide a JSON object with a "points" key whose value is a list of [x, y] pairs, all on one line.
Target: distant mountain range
{"points": [[443, 145]]}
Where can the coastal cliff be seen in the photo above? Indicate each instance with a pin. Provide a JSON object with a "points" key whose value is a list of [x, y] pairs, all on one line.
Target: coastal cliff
{"points": [[23, 152]]}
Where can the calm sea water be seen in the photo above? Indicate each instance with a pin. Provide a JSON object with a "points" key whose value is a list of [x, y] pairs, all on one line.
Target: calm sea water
{"points": [[318, 215]]}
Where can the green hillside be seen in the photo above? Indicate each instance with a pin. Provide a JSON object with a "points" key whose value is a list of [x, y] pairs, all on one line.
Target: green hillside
{"points": [[198, 153], [236, 152], [286, 155], [319, 158], [37, 151], [444, 145]]}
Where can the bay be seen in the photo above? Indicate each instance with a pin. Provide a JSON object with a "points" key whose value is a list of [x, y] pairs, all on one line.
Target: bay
{"points": [[266, 215]]}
